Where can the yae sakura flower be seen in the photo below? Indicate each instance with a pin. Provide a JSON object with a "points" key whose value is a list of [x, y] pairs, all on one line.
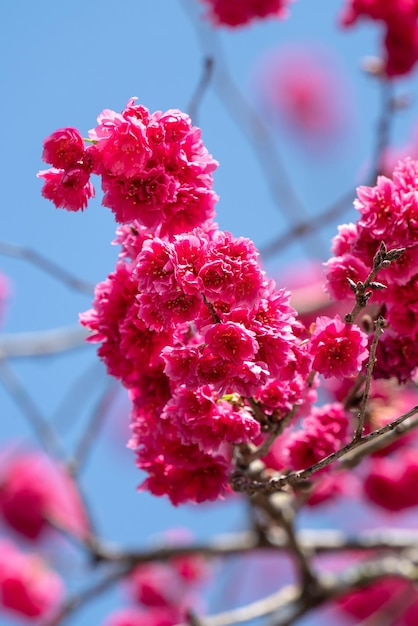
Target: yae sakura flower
{"points": [[67, 189], [63, 148], [338, 349]]}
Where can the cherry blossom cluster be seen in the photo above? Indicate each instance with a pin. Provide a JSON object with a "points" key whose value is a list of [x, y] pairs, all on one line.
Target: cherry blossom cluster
{"points": [[234, 13], [154, 168], [388, 213], [400, 20], [210, 350]]}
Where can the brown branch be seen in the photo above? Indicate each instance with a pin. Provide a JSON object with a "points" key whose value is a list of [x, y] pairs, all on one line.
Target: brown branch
{"points": [[379, 326], [240, 482], [363, 290]]}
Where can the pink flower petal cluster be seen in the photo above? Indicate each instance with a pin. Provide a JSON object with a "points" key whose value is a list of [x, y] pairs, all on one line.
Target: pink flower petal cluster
{"points": [[67, 184], [400, 20], [234, 13], [338, 349], [27, 586], [388, 213], [154, 169], [35, 493]]}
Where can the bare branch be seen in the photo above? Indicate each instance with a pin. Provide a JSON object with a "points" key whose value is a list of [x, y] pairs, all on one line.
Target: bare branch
{"points": [[240, 482], [201, 88], [46, 265], [43, 342], [46, 435], [379, 326]]}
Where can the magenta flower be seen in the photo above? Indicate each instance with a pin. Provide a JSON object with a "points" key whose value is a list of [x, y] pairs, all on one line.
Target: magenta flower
{"points": [[27, 586], [63, 148], [338, 349], [67, 189], [240, 12], [391, 483], [34, 492]]}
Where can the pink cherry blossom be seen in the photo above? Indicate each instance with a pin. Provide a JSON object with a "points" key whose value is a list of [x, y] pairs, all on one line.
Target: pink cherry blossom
{"points": [[205, 419], [338, 349], [67, 189], [35, 493], [63, 148], [302, 89], [391, 482], [27, 586]]}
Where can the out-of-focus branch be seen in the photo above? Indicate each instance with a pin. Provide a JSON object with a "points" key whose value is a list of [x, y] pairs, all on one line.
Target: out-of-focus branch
{"points": [[383, 125], [201, 88], [78, 600], [92, 429], [43, 342], [46, 435], [235, 544], [307, 227], [290, 603], [46, 265], [291, 600]]}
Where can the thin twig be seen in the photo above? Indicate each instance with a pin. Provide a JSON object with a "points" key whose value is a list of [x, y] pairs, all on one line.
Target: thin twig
{"points": [[354, 457], [46, 265], [240, 482], [379, 326], [46, 435], [90, 434], [364, 289], [201, 88], [383, 125], [307, 227], [75, 602]]}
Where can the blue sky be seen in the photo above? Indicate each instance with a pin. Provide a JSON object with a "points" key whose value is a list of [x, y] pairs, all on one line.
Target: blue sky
{"points": [[61, 64]]}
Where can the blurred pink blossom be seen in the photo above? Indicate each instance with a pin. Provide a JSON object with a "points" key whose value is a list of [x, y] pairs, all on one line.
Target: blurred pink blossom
{"points": [[302, 88]]}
